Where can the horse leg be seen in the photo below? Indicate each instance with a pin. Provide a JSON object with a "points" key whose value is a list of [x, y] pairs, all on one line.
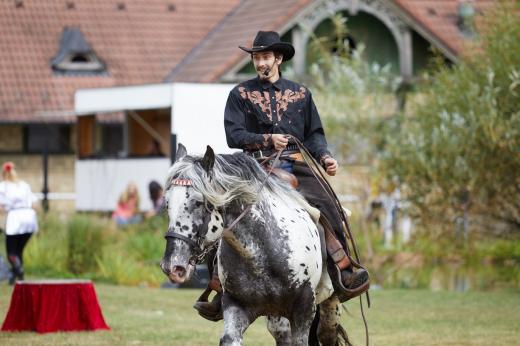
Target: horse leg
{"points": [[301, 318], [329, 328], [280, 329], [236, 321]]}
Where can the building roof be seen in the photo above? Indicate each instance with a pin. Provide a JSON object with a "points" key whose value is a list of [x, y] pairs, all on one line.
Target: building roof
{"points": [[440, 19], [139, 41], [218, 52], [153, 41]]}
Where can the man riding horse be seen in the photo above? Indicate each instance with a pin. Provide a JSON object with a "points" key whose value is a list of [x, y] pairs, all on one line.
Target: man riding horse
{"points": [[261, 115]]}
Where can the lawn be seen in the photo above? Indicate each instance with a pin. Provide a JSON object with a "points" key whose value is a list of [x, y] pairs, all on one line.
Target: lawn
{"points": [[150, 316]]}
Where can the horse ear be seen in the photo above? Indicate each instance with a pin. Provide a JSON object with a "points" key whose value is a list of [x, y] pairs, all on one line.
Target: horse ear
{"points": [[208, 161], [181, 152]]}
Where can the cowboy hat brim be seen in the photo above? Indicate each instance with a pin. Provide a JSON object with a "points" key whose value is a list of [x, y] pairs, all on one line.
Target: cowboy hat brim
{"points": [[285, 48]]}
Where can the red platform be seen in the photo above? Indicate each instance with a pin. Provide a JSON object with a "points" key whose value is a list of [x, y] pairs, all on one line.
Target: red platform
{"points": [[54, 305]]}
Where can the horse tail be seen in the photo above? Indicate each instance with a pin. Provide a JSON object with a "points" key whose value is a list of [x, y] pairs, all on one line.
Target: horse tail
{"points": [[313, 332], [342, 336]]}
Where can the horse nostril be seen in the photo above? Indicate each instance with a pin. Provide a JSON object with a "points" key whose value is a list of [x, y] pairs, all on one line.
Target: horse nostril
{"points": [[180, 271], [164, 267]]}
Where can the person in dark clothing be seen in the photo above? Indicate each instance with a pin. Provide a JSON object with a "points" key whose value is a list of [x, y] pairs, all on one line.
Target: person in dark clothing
{"points": [[260, 114], [157, 197]]}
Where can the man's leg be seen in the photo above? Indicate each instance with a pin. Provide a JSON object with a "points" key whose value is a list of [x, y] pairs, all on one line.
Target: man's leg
{"points": [[337, 248]]}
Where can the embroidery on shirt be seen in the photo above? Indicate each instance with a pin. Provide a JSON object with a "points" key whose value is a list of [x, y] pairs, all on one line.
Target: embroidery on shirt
{"points": [[256, 98], [289, 96], [282, 100]]}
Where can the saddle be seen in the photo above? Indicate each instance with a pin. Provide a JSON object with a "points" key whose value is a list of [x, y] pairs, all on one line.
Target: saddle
{"points": [[285, 176]]}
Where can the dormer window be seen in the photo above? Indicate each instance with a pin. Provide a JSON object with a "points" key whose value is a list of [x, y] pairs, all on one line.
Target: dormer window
{"points": [[75, 55], [80, 59]]}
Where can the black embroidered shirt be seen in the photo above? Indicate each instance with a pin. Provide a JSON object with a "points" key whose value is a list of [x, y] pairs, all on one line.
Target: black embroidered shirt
{"points": [[256, 109]]}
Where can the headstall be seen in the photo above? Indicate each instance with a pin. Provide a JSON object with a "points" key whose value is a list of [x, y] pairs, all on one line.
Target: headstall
{"points": [[195, 245]]}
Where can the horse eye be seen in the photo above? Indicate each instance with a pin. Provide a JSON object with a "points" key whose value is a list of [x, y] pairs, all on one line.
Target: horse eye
{"points": [[208, 207]]}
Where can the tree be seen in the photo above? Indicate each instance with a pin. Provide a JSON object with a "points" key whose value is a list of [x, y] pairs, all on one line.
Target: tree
{"points": [[357, 99], [460, 150]]}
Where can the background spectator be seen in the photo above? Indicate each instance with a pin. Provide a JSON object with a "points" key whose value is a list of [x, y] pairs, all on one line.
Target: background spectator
{"points": [[17, 200], [157, 198], [127, 210]]}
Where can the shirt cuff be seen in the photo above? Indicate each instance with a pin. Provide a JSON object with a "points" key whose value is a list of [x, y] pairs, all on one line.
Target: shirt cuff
{"points": [[260, 142], [323, 157]]}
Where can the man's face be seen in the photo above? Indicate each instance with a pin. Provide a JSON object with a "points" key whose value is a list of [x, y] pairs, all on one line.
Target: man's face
{"points": [[266, 64]]}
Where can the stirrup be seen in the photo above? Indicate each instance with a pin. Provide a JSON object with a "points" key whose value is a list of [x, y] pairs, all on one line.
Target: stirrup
{"points": [[341, 291], [211, 310]]}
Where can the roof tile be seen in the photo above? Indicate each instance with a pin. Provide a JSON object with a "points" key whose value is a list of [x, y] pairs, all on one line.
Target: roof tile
{"points": [[139, 44]]}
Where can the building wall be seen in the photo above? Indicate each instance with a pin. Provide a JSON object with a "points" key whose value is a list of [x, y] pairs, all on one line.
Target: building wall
{"points": [[363, 28], [11, 138], [422, 53], [60, 179], [141, 141], [30, 166]]}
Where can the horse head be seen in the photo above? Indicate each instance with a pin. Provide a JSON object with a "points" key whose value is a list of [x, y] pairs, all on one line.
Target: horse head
{"points": [[195, 224]]}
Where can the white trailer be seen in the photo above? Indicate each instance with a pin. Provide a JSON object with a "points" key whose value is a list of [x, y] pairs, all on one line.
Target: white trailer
{"points": [[136, 116]]}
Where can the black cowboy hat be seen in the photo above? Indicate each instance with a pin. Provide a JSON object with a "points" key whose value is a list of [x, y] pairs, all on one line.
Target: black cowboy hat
{"points": [[270, 41]]}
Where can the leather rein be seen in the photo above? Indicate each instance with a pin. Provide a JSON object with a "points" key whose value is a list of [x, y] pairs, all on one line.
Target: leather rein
{"points": [[332, 195]]}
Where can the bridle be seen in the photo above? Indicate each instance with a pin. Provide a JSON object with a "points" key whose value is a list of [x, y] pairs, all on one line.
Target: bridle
{"points": [[196, 246]]}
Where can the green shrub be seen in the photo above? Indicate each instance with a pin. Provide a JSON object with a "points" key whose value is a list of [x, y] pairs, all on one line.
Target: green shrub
{"points": [[86, 245], [459, 153], [46, 252], [356, 99], [85, 242], [117, 267], [145, 241], [145, 246]]}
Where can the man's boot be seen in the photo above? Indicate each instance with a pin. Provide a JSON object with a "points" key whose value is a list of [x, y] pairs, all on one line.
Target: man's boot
{"points": [[211, 310], [348, 278]]}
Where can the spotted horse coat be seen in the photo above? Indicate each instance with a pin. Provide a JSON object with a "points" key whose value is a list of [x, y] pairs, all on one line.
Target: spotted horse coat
{"points": [[279, 272]]}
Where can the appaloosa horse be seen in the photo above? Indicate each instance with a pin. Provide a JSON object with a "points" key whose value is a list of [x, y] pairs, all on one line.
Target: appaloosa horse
{"points": [[274, 267]]}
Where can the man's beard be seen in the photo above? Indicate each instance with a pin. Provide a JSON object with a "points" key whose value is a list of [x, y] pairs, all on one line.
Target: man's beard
{"points": [[265, 74]]}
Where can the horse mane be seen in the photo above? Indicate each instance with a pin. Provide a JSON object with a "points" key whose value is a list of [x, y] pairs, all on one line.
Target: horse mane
{"points": [[234, 177]]}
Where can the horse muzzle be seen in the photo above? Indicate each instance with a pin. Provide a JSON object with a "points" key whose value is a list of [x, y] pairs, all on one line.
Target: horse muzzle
{"points": [[177, 274]]}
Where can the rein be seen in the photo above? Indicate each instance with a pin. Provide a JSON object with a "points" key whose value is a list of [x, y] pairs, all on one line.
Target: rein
{"points": [[332, 195]]}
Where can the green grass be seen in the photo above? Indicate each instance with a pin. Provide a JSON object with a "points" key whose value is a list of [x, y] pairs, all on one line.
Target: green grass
{"points": [[151, 316]]}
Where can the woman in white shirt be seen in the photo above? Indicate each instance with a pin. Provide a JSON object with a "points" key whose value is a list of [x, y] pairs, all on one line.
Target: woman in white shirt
{"points": [[17, 200]]}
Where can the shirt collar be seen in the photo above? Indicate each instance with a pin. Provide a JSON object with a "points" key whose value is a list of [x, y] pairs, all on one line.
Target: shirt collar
{"points": [[266, 85]]}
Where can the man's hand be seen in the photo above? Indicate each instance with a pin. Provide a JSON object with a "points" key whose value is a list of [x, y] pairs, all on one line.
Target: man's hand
{"points": [[279, 141], [330, 165]]}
